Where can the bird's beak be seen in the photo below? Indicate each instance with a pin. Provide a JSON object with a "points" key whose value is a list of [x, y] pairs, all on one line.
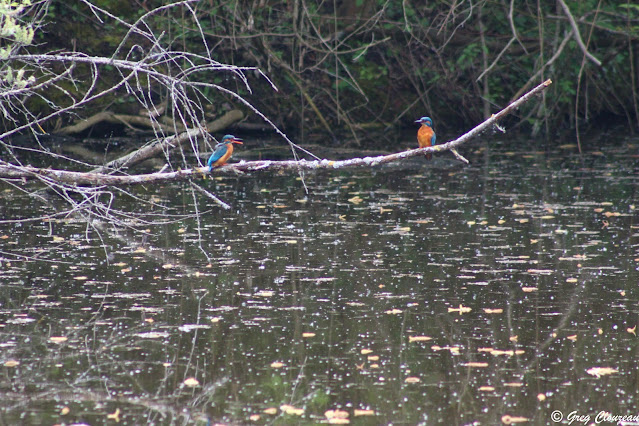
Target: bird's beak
{"points": [[418, 121], [237, 140]]}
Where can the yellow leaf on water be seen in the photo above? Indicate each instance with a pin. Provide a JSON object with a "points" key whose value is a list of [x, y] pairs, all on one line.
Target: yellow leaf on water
{"points": [[255, 417], [289, 409], [58, 339], [373, 357], [11, 363], [419, 338], [365, 351], [632, 330], [336, 414], [493, 311], [355, 200], [412, 380], [115, 416], [393, 311], [277, 364], [541, 397], [474, 364], [271, 410], [81, 278], [305, 335], [191, 382], [65, 410], [462, 309], [601, 371], [508, 420], [486, 388], [573, 337], [357, 412]]}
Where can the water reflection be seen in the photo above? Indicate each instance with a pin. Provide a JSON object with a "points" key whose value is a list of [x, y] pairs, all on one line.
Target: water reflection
{"points": [[403, 295]]}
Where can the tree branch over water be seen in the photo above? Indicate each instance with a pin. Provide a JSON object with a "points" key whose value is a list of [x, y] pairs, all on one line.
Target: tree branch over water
{"points": [[10, 171]]}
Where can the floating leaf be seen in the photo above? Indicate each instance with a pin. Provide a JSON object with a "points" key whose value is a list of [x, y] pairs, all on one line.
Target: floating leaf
{"points": [[309, 334], [508, 420], [462, 309], [115, 416], [632, 330], [58, 339], [191, 382], [271, 410], [412, 380], [255, 417], [336, 414], [541, 397], [153, 335], [493, 311], [393, 311], [277, 364], [11, 363], [601, 371], [365, 351], [357, 413], [419, 338], [356, 200], [474, 364], [289, 409], [65, 410], [486, 388]]}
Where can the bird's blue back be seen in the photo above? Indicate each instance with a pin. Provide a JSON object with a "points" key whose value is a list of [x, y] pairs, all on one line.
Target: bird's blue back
{"points": [[220, 150]]}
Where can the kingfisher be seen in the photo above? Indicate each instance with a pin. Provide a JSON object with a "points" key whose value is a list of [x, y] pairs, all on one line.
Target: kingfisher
{"points": [[223, 151], [426, 134]]}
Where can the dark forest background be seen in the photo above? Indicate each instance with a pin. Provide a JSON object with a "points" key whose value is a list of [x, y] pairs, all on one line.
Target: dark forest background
{"points": [[351, 67]]}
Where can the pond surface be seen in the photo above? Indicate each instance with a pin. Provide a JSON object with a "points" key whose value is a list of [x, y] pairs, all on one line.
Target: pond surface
{"points": [[423, 293]]}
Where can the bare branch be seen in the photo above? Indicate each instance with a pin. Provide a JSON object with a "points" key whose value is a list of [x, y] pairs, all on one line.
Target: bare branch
{"points": [[575, 31], [83, 178]]}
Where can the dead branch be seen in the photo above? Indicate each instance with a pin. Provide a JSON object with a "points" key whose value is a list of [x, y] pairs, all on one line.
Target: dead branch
{"points": [[9, 171], [165, 144], [577, 35], [113, 118]]}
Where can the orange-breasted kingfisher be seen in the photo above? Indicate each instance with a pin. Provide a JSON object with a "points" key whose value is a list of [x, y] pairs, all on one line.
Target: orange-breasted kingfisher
{"points": [[223, 151], [426, 134]]}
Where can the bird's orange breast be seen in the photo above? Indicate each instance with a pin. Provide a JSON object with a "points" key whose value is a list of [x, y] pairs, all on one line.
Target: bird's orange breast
{"points": [[223, 159], [424, 136]]}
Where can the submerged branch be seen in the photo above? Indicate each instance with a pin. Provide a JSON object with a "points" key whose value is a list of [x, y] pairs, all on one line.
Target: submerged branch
{"points": [[9, 171]]}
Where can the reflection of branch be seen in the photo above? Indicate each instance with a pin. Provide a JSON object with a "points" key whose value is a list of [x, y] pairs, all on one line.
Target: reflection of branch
{"points": [[90, 178]]}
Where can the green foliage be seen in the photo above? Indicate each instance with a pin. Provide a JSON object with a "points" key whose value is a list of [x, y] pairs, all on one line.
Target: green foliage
{"points": [[15, 34], [361, 61]]}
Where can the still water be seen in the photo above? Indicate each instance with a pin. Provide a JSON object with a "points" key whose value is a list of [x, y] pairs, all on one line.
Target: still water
{"points": [[422, 293]]}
